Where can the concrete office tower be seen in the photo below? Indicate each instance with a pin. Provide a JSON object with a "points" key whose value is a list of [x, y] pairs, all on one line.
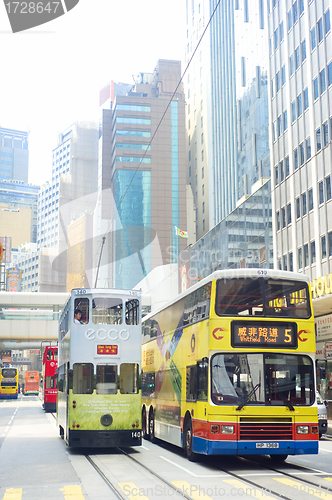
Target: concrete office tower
{"points": [[14, 155], [142, 167], [227, 110], [301, 155], [67, 196], [301, 131]]}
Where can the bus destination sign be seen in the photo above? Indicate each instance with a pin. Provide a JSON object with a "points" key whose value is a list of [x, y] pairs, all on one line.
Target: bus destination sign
{"points": [[107, 349], [264, 334]]}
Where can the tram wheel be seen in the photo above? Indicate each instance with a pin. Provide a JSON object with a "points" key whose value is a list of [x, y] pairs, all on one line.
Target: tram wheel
{"points": [[278, 458], [151, 427], [188, 442]]}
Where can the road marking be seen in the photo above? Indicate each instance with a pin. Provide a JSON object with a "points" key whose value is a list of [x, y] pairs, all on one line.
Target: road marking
{"points": [[132, 491], [195, 492], [245, 489], [13, 494], [72, 492], [190, 472], [303, 488]]}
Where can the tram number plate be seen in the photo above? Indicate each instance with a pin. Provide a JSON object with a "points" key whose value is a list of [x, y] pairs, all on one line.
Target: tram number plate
{"points": [[136, 435], [267, 445]]}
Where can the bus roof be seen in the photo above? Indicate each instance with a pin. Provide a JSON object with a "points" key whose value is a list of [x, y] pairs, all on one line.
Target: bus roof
{"points": [[235, 274]]}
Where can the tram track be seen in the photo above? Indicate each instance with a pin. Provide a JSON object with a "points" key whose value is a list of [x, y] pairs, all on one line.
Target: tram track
{"points": [[237, 480]]}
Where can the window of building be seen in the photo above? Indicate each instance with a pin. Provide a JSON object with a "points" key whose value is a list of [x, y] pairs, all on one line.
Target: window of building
{"points": [[287, 166], [310, 199], [289, 214], [303, 51], [285, 120], [316, 90], [328, 188], [298, 208], [308, 148], [320, 34], [283, 217], [296, 159], [299, 105], [278, 81], [275, 38], [276, 175], [306, 255], [304, 204], [329, 235], [202, 172], [278, 221], [323, 246], [299, 257], [313, 252], [325, 131], [301, 153], [283, 75], [306, 98], [322, 81], [289, 20], [321, 192], [291, 64], [297, 58], [313, 38], [202, 189], [327, 21], [291, 267], [295, 12], [279, 126], [285, 262], [203, 207], [318, 140], [293, 111], [281, 169], [189, 171]]}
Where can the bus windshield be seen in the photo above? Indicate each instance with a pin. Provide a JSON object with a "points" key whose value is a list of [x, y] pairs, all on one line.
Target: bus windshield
{"points": [[271, 379], [262, 297], [9, 372]]}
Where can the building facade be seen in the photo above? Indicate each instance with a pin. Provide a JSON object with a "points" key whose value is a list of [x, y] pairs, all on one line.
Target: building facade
{"points": [[300, 68], [14, 155], [142, 167]]}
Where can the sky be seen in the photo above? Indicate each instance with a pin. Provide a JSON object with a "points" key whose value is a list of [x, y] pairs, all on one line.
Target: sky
{"points": [[51, 75]]}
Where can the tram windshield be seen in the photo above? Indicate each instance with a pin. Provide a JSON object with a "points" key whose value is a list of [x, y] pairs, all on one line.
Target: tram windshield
{"points": [[262, 297], [269, 379], [9, 372]]}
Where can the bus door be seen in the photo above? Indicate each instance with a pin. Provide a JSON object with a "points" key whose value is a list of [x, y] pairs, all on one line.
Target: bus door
{"points": [[197, 393]]}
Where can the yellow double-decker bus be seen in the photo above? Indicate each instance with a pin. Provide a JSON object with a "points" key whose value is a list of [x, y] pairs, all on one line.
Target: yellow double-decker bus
{"points": [[228, 367], [8, 383]]}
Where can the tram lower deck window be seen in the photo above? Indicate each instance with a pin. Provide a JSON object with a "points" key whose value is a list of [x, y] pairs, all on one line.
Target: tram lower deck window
{"points": [[83, 378], [106, 379]]}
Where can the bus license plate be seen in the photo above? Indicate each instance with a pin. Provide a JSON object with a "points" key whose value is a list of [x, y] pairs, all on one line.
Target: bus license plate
{"points": [[267, 445]]}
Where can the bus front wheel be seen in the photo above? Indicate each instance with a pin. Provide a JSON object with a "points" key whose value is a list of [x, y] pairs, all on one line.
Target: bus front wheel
{"points": [[188, 442]]}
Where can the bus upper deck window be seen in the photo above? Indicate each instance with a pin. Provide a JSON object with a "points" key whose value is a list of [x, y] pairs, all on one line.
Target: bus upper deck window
{"points": [[82, 305], [132, 312], [107, 310]]}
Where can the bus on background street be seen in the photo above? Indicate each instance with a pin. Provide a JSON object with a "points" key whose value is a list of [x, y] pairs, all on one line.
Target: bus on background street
{"points": [[31, 383], [49, 378], [8, 383], [99, 401], [228, 367]]}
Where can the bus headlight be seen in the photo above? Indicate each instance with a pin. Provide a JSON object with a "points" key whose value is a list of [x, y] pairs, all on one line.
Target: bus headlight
{"points": [[227, 429], [215, 429], [302, 429]]}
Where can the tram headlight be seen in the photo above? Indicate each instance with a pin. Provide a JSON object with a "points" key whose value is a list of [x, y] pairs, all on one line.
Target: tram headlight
{"points": [[227, 429], [302, 429], [106, 419]]}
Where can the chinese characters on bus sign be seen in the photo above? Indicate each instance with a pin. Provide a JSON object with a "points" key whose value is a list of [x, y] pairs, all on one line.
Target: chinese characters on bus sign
{"points": [[264, 334], [107, 349]]}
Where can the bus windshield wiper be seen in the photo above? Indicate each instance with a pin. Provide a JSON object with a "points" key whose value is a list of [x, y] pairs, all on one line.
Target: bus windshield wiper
{"points": [[284, 400], [251, 393]]}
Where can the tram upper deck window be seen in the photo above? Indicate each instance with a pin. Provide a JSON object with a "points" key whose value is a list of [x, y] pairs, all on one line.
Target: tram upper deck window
{"points": [[132, 312], [82, 305], [107, 311], [262, 297], [49, 355]]}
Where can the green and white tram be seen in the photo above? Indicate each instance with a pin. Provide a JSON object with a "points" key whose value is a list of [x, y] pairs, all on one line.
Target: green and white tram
{"points": [[99, 400]]}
